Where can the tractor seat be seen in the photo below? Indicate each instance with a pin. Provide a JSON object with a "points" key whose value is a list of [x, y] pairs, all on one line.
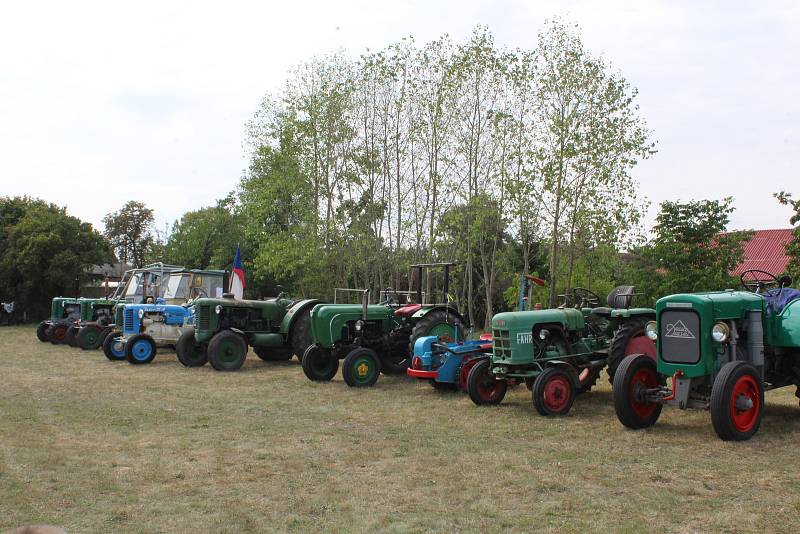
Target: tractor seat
{"points": [[777, 299], [620, 297], [408, 310]]}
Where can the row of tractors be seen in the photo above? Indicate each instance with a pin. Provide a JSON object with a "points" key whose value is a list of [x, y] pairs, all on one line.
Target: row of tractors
{"points": [[717, 351]]}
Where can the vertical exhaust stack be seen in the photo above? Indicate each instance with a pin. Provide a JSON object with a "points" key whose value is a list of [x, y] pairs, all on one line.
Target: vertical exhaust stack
{"points": [[755, 340]]}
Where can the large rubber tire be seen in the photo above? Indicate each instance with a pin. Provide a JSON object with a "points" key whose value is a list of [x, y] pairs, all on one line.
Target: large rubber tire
{"points": [[554, 391], [628, 339], [300, 336], [463, 371], [113, 348], [69, 337], [482, 387], [635, 371], [361, 368], [56, 333], [433, 324], [227, 351], [274, 354], [90, 336], [41, 332], [319, 365], [190, 353], [737, 381], [140, 349]]}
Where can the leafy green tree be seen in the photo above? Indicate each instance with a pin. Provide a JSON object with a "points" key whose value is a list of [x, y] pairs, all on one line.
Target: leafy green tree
{"points": [[691, 251], [793, 247], [45, 253], [130, 232], [205, 238]]}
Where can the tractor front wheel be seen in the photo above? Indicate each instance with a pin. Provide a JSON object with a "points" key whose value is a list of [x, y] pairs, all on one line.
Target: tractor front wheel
{"points": [[90, 336], [553, 391], [56, 333], [737, 401], [361, 368], [273, 354], [319, 365], [227, 351], [634, 375], [114, 347], [140, 349], [483, 387], [190, 353], [69, 336], [41, 332]]}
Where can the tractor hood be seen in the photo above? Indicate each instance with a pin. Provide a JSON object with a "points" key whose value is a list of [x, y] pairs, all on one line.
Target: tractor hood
{"points": [[722, 304], [236, 303], [327, 320], [568, 318]]}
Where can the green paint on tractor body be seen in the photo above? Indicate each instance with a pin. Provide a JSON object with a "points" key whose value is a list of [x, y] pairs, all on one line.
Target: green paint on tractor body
{"points": [[329, 322]]}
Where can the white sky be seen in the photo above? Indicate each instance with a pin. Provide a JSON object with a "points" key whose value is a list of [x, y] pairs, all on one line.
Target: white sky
{"points": [[104, 102]]}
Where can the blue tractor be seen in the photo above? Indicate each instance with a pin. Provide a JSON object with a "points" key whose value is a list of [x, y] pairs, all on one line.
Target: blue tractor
{"points": [[146, 327], [447, 365]]}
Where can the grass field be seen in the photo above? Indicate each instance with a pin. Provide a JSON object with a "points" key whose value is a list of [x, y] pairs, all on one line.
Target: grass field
{"points": [[97, 446]]}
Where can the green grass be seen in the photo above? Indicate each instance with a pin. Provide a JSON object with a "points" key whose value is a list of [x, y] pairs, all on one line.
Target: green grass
{"points": [[93, 445]]}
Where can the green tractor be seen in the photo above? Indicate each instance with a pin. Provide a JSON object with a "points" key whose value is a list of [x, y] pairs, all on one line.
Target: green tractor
{"points": [[722, 350], [64, 312], [376, 338], [93, 311], [276, 328], [559, 353]]}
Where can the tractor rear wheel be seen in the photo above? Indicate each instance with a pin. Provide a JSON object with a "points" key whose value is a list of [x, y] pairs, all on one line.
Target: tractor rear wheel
{"points": [[482, 386], [635, 374], [69, 336], [273, 354], [140, 349], [190, 353], [737, 401], [114, 347], [90, 336], [628, 339], [41, 332], [300, 336], [227, 351], [361, 368], [553, 391], [56, 333], [319, 365]]}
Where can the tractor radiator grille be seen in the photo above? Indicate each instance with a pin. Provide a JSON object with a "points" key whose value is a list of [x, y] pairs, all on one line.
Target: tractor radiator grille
{"points": [[679, 333], [203, 318], [128, 320], [502, 344]]}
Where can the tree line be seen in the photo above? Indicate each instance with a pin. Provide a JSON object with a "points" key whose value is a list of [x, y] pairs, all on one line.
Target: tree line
{"points": [[507, 162]]}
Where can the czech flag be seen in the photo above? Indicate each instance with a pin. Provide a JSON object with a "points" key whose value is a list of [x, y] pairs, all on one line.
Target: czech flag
{"points": [[237, 276]]}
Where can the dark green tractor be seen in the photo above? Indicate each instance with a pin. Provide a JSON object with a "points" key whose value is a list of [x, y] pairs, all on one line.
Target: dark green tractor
{"points": [[559, 353], [64, 313], [379, 338], [224, 328], [721, 350]]}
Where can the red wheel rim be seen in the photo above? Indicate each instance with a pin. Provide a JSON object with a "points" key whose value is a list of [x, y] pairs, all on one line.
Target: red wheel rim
{"points": [[59, 332], [643, 378], [557, 393], [747, 387], [641, 345], [466, 367], [488, 387]]}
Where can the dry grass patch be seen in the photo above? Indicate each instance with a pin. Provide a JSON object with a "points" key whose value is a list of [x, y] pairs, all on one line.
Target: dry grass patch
{"points": [[93, 445]]}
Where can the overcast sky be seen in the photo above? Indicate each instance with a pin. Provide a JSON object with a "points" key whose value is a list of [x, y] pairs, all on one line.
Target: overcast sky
{"points": [[105, 102]]}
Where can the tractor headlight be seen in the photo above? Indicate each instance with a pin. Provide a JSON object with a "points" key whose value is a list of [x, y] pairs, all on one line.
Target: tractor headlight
{"points": [[359, 325], [544, 333], [218, 309], [141, 313], [720, 332], [651, 330]]}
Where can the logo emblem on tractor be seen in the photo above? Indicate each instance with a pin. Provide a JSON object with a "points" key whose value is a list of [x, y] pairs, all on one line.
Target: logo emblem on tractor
{"points": [[362, 369], [678, 330], [525, 338]]}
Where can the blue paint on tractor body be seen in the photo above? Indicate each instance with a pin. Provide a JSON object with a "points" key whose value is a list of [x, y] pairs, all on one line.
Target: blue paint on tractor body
{"points": [[446, 359], [173, 314]]}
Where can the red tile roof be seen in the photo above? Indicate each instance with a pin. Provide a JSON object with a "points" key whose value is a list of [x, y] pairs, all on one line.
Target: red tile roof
{"points": [[766, 251]]}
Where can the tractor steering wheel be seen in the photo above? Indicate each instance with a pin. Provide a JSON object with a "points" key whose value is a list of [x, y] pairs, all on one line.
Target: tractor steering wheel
{"points": [[757, 281], [584, 296]]}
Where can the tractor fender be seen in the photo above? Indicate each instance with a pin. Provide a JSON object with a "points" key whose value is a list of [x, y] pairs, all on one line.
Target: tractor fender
{"points": [[237, 331], [424, 344], [292, 313], [425, 310], [642, 313]]}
